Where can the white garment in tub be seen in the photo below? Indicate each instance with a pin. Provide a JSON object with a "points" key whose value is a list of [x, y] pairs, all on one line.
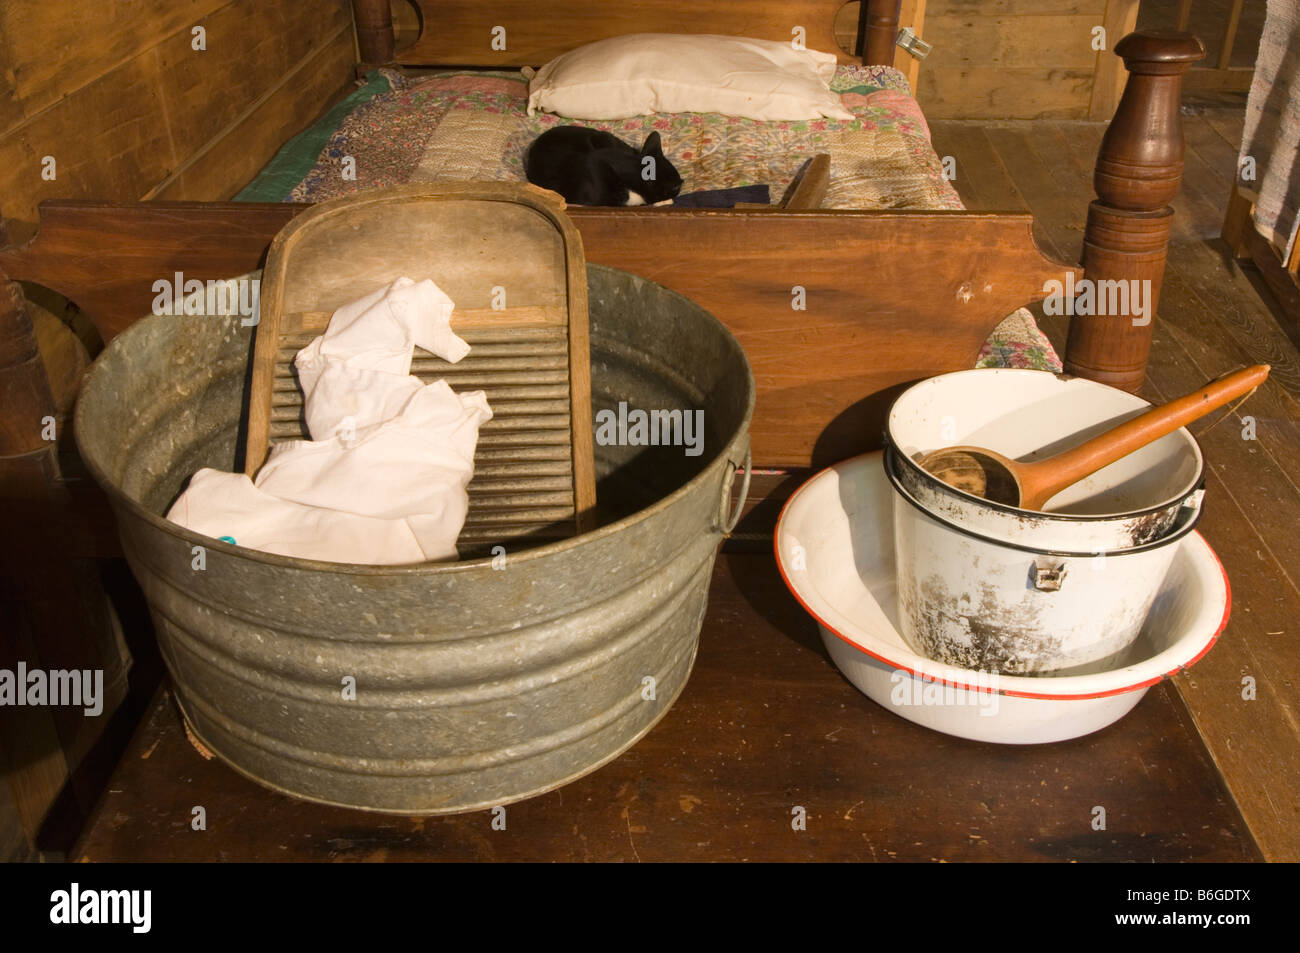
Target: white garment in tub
{"points": [[391, 456], [414, 466], [228, 505], [359, 368]]}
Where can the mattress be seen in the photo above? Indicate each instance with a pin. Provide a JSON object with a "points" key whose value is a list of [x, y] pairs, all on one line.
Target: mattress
{"points": [[474, 125]]}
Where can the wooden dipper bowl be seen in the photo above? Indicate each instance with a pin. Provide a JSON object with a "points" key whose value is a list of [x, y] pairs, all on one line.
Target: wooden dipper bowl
{"points": [[998, 479]]}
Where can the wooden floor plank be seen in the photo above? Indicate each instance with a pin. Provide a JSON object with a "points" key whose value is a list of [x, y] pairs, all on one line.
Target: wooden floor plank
{"points": [[1057, 215], [1254, 739], [1204, 136], [1263, 472], [1208, 169], [1207, 146], [1069, 149], [1227, 300], [1229, 124], [981, 180], [1269, 412]]}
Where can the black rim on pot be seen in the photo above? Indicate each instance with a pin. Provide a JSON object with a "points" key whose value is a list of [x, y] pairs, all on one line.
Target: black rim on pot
{"points": [[1184, 522], [938, 485]]}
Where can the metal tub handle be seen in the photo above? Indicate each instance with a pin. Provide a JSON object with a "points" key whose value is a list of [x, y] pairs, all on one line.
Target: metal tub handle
{"points": [[727, 520]]}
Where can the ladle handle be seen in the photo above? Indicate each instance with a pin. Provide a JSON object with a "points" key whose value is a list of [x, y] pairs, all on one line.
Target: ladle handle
{"points": [[1040, 481]]}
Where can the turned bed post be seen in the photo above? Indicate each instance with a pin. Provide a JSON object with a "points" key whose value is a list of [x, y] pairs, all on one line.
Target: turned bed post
{"points": [[26, 457], [375, 41], [1139, 170], [878, 31]]}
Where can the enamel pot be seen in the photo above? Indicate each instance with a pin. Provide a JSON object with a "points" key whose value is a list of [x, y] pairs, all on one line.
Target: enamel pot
{"points": [[972, 601]]}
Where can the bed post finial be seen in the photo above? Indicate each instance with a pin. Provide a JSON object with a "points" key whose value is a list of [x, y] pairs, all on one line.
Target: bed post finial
{"points": [[1139, 170], [375, 41]]}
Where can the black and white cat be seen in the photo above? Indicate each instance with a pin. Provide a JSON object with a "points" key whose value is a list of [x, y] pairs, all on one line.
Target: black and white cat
{"points": [[590, 167]]}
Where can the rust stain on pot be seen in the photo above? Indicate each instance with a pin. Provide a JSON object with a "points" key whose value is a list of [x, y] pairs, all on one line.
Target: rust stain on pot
{"points": [[983, 631], [1145, 529]]}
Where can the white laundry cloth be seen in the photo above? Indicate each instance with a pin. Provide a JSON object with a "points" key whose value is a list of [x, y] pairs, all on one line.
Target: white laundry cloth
{"points": [[414, 466], [229, 506], [357, 372], [391, 456]]}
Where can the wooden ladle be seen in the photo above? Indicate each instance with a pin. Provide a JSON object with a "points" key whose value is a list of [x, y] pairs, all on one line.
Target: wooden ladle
{"points": [[984, 473]]}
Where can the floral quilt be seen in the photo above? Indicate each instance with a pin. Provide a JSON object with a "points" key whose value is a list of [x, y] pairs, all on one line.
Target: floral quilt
{"points": [[458, 125]]}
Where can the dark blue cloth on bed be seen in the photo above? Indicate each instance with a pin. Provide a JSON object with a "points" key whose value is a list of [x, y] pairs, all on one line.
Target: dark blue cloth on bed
{"points": [[725, 198]]}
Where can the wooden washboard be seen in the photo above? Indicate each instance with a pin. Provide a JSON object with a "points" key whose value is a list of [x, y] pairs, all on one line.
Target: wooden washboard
{"points": [[534, 479]]}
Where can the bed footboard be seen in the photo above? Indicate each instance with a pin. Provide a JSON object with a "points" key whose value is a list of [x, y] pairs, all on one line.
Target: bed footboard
{"points": [[837, 310]]}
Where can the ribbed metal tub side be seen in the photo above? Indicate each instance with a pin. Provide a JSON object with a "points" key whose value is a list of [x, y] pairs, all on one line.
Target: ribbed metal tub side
{"points": [[436, 688]]}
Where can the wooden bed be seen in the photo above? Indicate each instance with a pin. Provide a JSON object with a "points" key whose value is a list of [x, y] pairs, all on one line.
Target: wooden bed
{"points": [[891, 297], [895, 296]]}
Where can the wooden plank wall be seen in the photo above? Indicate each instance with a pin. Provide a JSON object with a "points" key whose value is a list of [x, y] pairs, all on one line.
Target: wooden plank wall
{"points": [[1022, 59], [117, 94]]}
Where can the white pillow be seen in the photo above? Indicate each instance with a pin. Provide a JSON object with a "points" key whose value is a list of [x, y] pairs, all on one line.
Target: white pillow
{"points": [[645, 73]]}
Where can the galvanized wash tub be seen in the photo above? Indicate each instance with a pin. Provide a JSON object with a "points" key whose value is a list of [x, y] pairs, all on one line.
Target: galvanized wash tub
{"points": [[474, 684]]}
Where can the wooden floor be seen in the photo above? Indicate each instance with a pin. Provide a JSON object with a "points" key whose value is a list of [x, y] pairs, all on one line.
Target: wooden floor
{"points": [[1213, 317]]}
